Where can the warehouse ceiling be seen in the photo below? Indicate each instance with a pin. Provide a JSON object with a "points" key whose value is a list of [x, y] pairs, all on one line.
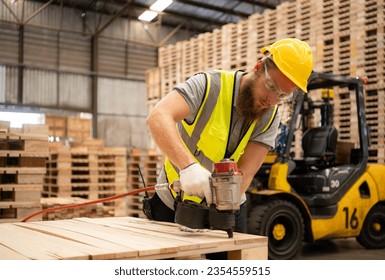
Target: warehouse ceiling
{"points": [[195, 15]]}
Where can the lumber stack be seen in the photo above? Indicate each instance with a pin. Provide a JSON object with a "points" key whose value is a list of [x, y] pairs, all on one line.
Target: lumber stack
{"points": [[57, 127], [135, 181], [90, 211], [78, 128], [23, 154], [347, 38], [149, 163], [74, 128], [87, 171]]}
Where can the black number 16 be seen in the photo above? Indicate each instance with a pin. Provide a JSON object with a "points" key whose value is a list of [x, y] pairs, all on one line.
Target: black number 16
{"points": [[351, 221]]}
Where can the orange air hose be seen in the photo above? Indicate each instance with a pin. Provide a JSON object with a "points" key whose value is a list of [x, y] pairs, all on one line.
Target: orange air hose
{"points": [[151, 188]]}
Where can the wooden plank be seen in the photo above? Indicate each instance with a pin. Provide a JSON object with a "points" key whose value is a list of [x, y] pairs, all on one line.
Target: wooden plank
{"points": [[199, 242], [25, 136], [9, 254], [167, 231], [39, 246], [22, 170], [116, 251], [249, 254], [141, 244], [122, 238], [13, 153]]}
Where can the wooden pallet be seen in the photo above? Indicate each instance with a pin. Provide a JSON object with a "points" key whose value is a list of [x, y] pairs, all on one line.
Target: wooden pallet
{"points": [[153, 83], [192, 57], [120, 238], [90, 211], [57, 126], [78, 128], [150, 163], [23, 154], [90, 172]]}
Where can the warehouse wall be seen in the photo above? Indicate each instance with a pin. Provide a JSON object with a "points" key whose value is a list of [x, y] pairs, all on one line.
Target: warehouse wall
{"points": [[122, 112], [51, 54]]}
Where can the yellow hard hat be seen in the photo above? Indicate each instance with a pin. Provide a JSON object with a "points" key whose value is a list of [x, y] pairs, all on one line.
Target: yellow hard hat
{"points": [[293, 58]]}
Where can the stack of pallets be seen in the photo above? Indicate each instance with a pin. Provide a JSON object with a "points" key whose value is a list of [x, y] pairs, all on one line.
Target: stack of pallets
{"points": [[78, 128], [134, 182], [23, 154], [150, 163], [192, 56], [74, 128], [90, 172], [90, 211], [57, 126], [170, 67]]}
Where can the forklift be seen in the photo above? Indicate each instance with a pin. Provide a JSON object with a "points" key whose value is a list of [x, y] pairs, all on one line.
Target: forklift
{"points": [[317, 184]]}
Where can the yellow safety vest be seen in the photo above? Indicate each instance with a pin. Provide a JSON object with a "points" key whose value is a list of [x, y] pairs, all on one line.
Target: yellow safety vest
{"points": [[207, 136]]}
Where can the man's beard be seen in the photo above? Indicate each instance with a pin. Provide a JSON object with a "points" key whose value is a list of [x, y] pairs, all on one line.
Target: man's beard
{"points": [[246, 106]]}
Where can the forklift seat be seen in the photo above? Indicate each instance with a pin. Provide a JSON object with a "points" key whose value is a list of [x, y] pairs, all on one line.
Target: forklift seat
{"points": [[319, 145]]}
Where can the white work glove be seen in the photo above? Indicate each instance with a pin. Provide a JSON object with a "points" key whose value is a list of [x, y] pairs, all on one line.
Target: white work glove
{"points": [[194, 180]]}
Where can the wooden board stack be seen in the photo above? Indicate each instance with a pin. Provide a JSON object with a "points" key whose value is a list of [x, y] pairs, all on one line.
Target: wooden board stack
{"points": [[150, 163], [57, 126], [23, 154], [71, 127], [90, 211], [170, 67], [134, 182], [78, 128], [91, 172]]}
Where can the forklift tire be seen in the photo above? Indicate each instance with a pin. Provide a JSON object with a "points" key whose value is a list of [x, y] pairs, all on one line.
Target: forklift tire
{"points": [[372, 235], [282, 223]]}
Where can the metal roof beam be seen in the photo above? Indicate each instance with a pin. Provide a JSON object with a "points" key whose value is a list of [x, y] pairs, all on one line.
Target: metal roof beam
{"points": [[38, 11], [116, 15], [263, 4], [213, 8]]}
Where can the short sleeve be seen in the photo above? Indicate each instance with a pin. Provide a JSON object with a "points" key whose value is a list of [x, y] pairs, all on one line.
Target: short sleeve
{"points": [[269, 136], [193, 91]]}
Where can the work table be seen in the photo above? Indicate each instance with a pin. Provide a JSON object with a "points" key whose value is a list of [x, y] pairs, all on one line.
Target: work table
{"points": [[116, 238]]}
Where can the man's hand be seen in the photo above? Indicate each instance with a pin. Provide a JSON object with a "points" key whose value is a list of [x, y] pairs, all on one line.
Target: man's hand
{"points": [[194, 180]]}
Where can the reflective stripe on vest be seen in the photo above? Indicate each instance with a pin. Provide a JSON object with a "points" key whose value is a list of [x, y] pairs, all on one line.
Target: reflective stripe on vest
{"points": [[207, 137]]}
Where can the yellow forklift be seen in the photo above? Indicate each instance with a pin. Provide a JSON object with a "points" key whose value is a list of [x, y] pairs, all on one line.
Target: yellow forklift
{"points": [[317, 184]]}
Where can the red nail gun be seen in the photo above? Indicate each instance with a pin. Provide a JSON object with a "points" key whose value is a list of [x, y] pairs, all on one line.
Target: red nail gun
{"points": [[225, 184]]}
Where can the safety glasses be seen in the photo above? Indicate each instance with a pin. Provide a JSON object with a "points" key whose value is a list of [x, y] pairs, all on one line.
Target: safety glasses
{"points": [[273, 88]]}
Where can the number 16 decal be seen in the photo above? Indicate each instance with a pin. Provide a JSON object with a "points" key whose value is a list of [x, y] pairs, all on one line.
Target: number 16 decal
{"points": [[352, 220]]}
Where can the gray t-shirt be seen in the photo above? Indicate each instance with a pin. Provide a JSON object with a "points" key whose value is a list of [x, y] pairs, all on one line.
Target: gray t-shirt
{"points": [[193, 91]]}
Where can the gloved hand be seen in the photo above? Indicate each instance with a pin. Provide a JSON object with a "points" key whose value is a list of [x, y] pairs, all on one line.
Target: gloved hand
{"points": [[194, 180]]}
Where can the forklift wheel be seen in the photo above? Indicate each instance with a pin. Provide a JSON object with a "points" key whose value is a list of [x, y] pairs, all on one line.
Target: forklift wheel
{"points": [[282, 223], [372, 234]]}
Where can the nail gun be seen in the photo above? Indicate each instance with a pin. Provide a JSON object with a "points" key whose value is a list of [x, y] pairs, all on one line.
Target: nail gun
{"points": [[225, 184]]}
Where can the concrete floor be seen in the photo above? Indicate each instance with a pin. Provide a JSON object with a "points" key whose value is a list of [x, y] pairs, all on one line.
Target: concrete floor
{"points": [[338, 249]]}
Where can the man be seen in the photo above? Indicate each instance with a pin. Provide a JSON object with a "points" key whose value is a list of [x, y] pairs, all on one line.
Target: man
{"points": [[224, 114]]}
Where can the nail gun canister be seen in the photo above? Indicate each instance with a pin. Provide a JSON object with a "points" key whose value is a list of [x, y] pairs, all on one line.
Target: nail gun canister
{"points": [[225, 182]]}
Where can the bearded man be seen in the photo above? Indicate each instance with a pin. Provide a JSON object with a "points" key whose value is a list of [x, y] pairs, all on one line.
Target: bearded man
{"points": [[224, 114]]}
